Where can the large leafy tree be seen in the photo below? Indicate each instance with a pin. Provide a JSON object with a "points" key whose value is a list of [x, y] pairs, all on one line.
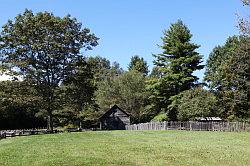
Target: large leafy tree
{"points": [[236, 81], [176, 64], [44, 49], [215, 73], [227, 74], [78, 93], [103, 69], [195, 102], [138, 64], [128, 92], [100, 67], [218, 56]]}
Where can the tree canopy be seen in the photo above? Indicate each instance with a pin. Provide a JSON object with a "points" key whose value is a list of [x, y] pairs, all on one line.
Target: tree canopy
{"points": [[53, 80], [44, 49], [196, 102], [227, 73], [128, 91], [138, 64]]}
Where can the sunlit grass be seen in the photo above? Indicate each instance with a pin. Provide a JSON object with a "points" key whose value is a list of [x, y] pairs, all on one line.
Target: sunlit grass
{"points": [[128, 148]]}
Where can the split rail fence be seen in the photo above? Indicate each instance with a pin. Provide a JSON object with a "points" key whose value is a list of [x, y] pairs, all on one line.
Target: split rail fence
{"points": [[26, 132], [13, 133], [191, 125]]}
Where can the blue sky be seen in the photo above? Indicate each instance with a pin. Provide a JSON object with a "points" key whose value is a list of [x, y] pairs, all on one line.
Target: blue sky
{"points": [[134, 27]]}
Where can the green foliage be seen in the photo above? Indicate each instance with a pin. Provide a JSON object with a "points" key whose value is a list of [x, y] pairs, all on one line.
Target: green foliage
{"points": [[138, 64], [227, 74], [127, 91], [235, 93], [19, 105], [214, 65], [192, 103], [44, 52], [102, 68], [79, 87], [160, 117], [155, 72], [176, 64], [44, 49]]}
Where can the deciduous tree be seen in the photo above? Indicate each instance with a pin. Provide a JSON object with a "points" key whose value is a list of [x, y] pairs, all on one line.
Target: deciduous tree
{"points": [[138, 64], [128, 92], [44, 49], [196, 102]]}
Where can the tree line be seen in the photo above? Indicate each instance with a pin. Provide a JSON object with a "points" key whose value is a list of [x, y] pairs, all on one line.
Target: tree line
{"points": [[54, 84]]}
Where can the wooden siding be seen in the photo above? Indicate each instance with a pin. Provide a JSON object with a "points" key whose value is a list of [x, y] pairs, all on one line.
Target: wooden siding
{"points": [[114, 119]]}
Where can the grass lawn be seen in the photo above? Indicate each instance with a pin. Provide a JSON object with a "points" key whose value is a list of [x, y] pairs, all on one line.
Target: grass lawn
{"points": [[120, 148]]}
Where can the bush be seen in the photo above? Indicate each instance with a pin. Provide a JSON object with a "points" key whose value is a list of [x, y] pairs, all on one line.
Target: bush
{"points": [[160, 117], [197, 102]]}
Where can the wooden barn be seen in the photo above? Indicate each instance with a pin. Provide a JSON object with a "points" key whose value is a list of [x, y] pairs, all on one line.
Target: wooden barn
{"points": [[114, 119]]}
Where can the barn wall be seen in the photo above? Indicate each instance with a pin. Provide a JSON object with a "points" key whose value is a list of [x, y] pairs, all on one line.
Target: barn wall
{"points": [[116, 119]]}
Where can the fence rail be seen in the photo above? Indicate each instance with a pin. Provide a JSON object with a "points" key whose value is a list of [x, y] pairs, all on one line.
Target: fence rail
{"points": [[25, 132], [191, 125]]}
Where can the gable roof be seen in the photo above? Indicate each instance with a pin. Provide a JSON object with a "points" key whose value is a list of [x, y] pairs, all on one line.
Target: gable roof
{"points": [[113, 108]]}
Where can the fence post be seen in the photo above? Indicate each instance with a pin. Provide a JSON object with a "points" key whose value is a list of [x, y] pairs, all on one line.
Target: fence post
{"points": [[188, 125]]}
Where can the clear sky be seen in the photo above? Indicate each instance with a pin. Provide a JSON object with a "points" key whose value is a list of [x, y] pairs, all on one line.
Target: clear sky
{"points": [[134, 27]]}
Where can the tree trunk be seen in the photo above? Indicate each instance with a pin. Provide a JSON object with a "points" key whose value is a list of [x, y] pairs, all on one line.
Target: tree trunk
{"points": [[50, 122]]}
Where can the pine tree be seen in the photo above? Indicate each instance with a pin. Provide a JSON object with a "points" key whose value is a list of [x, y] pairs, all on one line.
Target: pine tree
{"points": [[177, 63]]}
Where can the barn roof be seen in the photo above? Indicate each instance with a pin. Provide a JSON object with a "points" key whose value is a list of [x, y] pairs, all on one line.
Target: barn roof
{"points": [[111, 109]]}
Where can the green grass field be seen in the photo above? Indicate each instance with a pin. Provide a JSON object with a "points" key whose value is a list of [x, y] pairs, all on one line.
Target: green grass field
{"points": [[120, 148]]}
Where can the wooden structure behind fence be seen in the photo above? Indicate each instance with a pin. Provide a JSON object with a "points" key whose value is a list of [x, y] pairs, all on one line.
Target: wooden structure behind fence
{"points": [[191, 125]]}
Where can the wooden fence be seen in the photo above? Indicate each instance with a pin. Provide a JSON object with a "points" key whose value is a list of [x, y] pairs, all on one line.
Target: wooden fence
{"points": [[13, 133], [191, 125], [26, 132]]}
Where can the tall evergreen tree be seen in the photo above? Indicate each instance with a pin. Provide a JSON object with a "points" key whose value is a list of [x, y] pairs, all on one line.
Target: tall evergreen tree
{"points": [[176, 64]]}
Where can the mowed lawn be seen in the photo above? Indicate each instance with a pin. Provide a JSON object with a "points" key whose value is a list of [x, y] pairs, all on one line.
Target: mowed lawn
{"points": [[120, 148]]}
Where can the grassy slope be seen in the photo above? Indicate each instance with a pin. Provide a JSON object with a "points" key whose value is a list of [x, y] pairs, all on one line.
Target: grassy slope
{"points": [[128, 148]]}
